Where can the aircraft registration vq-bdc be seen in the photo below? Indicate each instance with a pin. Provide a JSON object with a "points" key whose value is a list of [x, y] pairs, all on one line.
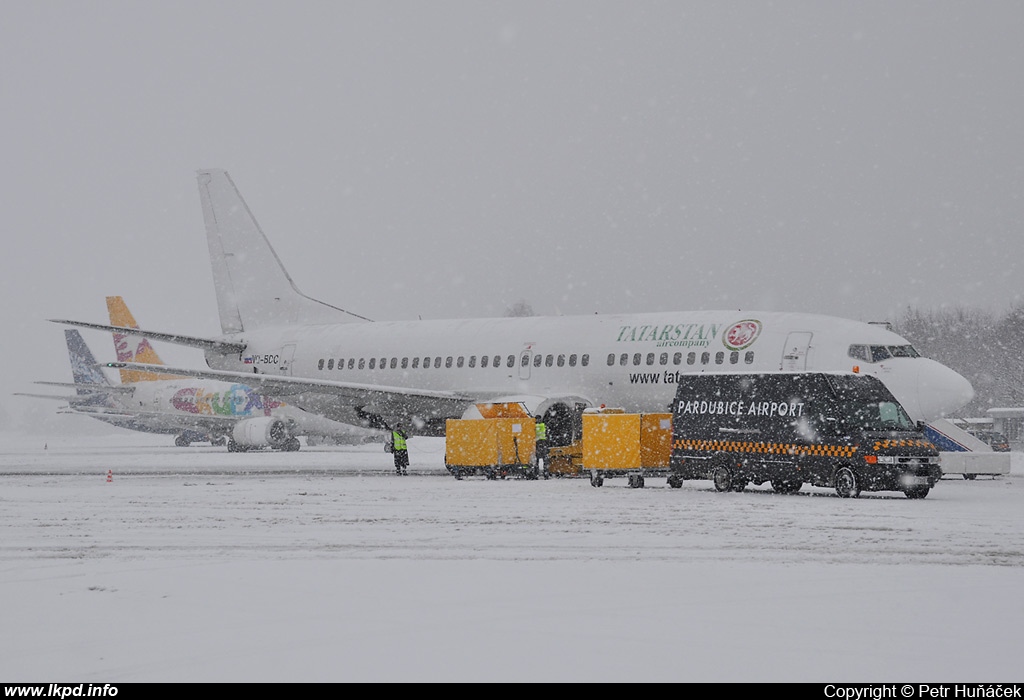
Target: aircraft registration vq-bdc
{"points": [[375, 374]]}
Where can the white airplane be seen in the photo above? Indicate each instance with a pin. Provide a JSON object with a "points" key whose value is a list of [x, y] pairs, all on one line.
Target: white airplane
{"points": [[194, 410], [333, 362]]}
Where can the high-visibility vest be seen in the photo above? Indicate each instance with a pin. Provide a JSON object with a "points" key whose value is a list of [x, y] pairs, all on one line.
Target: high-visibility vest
{"points": [[542, 431], [397, 440]]}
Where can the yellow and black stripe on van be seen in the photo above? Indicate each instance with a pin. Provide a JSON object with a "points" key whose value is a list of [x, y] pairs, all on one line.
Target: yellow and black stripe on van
{"points": [[767, 448], [913, 442]]}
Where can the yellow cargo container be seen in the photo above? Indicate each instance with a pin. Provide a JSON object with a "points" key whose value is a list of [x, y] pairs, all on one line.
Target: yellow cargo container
{"points": [[493, 447], [611, 441], [655, 440], [633, 444]]}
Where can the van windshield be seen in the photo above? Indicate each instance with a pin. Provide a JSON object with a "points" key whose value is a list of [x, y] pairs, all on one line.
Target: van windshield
{"points": [[873, 407]]}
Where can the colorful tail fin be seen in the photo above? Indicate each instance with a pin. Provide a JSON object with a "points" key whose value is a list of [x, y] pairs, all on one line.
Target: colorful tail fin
{"points": [[253, 288], [132, 348]]}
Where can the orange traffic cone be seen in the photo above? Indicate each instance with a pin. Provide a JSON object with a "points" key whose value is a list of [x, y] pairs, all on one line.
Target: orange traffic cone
{"points": [[110, 475]]}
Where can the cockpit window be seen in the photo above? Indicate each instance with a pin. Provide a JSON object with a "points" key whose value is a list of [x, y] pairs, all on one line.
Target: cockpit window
{"points": [[877, 353], [903, 351], [860, 352]]}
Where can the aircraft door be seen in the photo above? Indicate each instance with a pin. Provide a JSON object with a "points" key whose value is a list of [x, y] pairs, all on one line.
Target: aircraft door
{"points": [[287, 355], [524, 364], [794, 355]]}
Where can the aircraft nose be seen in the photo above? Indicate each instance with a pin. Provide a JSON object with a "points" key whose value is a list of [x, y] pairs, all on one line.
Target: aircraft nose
{"points": [[940, 390]]}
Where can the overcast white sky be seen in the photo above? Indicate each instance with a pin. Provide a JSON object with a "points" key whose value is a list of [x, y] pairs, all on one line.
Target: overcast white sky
{"points": [[449, 158]]}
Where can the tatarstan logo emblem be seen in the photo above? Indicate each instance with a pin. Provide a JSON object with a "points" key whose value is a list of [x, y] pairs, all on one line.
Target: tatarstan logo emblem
{"points": [[741, 335]]}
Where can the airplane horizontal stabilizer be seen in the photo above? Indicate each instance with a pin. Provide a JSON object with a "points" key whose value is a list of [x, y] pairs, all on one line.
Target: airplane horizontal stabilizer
{"points": [[223, 347]]}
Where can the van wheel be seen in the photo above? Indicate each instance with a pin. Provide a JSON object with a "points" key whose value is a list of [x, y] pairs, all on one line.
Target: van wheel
{"points": [[917, 492], [722, 478], [596, 481], [846, 483], [675, 482], [786, 485]]}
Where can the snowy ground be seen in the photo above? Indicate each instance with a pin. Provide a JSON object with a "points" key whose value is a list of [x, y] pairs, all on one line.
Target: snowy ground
{"points": [[198, 565]]}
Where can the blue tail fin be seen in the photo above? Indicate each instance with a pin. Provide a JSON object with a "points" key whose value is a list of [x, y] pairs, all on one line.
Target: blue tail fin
{"points": [[85, 371]]}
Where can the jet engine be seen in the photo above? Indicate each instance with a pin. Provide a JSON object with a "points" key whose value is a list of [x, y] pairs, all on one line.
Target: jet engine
{"points": [[256, 433]]}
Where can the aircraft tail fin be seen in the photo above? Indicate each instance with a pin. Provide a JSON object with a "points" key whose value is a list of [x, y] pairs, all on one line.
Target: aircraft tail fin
{"points": [[253, 288], [85, 372], [132, 348]]}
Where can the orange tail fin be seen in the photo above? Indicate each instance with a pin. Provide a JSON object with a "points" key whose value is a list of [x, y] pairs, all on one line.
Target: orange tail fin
{"points": [[132, 348]]}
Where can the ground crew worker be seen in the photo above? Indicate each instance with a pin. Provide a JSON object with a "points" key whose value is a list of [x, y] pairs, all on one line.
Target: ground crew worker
{"points": [[400, 450], [542, 445]]}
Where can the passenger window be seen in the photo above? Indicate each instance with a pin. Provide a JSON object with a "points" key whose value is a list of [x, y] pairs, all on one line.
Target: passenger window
{"points": [[426, 363], [623, 359], [497, 361], [448, 362], [650, 358], [373, 363], [460, 362], [472, 360], [405, 363], [511, 362], [691, 358], [330, 363], [611, 359], [362, 362], [415, 363], [525, 360], [664, 358], [320, 364], [734, 357], [561, 360], [437, 362], [341, 364], [585, 360], [677, 358], [749, 357], [484, 359], [549, 360], [719, 358], [394, 362], [705, 358], [636, 358], [572, 360]]}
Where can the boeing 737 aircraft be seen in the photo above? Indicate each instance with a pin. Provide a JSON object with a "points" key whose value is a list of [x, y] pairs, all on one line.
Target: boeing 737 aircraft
{"points": [[333, 362], [193, 410]]}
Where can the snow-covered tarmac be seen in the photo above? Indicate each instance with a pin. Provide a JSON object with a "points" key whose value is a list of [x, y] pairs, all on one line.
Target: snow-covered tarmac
{"points": [[321, 565]]}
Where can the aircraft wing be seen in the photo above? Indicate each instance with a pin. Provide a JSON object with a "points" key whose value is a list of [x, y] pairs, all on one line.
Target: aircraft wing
{"points": [[220, 346], [97, 388], [48, 396], [337, 400]]}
